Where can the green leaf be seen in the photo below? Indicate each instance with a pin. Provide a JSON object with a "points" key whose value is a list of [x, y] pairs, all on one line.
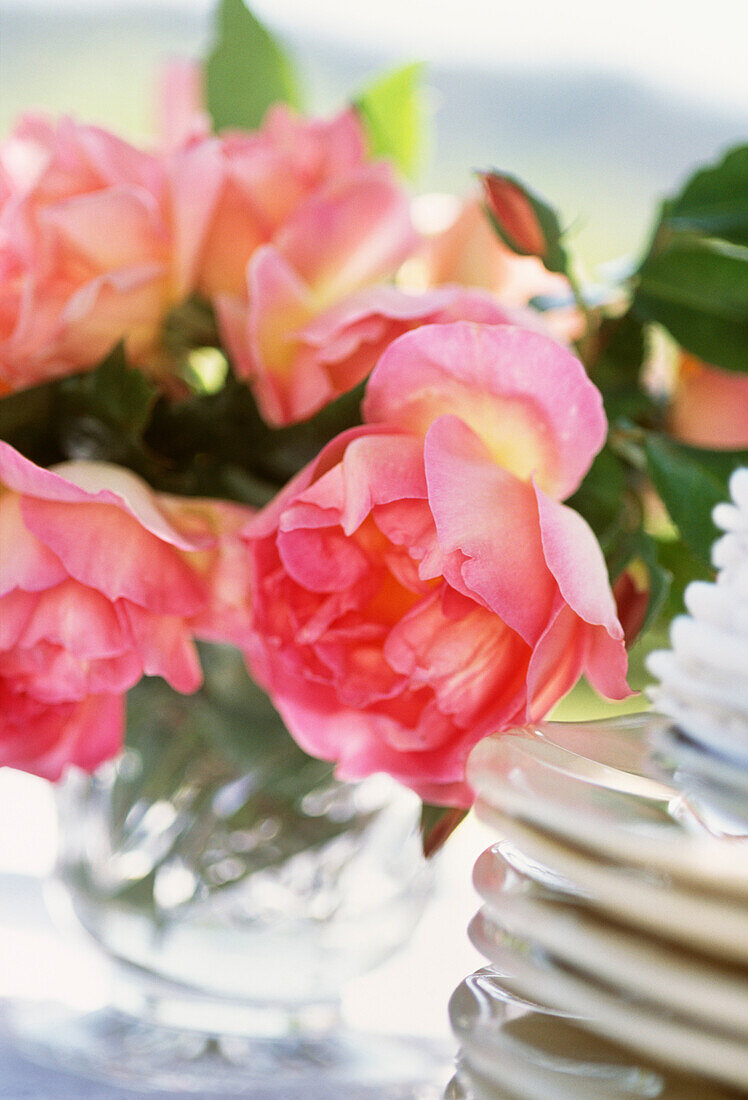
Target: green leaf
{"points": [[230, 721], [392, 112], [525, 222], [224, 758], [660, 579], [714, 202], [225, 430], [636, 552], [118, 396], [700, 295], [684, 568], [617, 369], [246, 71], [437, 825], [600, 496], [638, 546], [691, 481], [28, 423]]}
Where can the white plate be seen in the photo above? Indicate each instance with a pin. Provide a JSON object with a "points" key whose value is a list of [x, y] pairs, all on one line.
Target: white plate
{"points": [[615, 753], [684, 1047], [519, 776], [709, 923], [678, 751], [632, 964], [468, 1084], [715, 786], [533, 1052], [541, 1054]]}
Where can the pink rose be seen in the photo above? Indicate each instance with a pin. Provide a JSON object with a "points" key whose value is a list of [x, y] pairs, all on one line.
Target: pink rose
{"points": [[220, 561], [100, 583], [709, 405], [266, 177], [470, 252], [180, 103], [97, 243], [351, 236], [420, 585], [299, 223], [299, 360]]}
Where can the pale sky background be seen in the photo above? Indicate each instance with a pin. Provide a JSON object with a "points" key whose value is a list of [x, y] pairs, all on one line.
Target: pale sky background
{"points": [[695, 49], [603, 107]]}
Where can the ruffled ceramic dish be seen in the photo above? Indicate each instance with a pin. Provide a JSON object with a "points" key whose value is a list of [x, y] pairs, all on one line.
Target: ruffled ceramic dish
{"points": [[616, 903]]}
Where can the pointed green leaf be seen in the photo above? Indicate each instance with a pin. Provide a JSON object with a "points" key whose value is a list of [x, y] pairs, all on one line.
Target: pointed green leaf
{"points": [[660, 580], [437, 825], [392, 112], [119, 396], [617, 368], [700, 295], [714, 202], [246, 71], [683, 567], [600, 496], [691, 481], [638, 546]]}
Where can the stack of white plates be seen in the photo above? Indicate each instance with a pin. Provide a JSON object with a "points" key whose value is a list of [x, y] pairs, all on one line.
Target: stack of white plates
{"points": [[703, 679], [616, 903], [617, 927], [542, 1054]]}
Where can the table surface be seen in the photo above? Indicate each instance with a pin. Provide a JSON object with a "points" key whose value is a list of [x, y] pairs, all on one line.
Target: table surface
{"points": [[20, 1079]]}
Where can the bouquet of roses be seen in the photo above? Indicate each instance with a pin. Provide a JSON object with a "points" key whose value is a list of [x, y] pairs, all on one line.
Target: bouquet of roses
{"points": [[422, 482]]}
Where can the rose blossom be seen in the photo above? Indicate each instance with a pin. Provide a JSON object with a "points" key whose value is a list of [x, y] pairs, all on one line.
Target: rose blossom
{"points": [[100, 583], [97, 243], [420, 585], [266, 179], [348, 238], [468, 251], [299, 292], [709, 406], [299, 360], [301, 223]]}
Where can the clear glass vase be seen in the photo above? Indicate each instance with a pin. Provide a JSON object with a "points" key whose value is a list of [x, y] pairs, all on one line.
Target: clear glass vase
{"points": [[236, 888]]}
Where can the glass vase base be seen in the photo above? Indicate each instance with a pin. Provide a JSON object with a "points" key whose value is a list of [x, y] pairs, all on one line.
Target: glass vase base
{"points": [[125, 1052]]}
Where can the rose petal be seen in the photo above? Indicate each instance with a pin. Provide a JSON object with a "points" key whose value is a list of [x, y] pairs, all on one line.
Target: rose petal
{"points": [[85, 734], [165, 646], [524, 395], [144, 569], [116, 228], [487, 519], [180, 102], [77, 618], [94, 482], [25, 562], [355, 233], [195, 180], [576, 561], [15, 611]]}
